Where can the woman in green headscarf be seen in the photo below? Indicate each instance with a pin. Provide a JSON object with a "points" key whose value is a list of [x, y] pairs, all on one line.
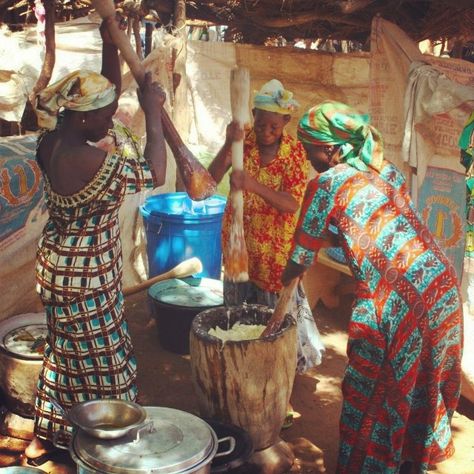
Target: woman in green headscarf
{"points": [[402, 382], [466, 144], [335, 127]]}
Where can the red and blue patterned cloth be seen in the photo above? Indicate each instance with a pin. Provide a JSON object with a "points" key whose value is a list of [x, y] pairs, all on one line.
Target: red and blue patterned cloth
{"points": [[402, 382]]}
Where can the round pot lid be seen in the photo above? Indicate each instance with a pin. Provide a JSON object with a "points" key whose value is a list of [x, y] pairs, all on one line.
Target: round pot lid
{"points": [[24, 335], [176, 442], [189, 292]]}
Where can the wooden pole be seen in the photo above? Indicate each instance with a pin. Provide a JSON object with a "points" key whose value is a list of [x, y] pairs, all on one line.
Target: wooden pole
{"points": [[281, 308], [29, 120], [136, 24], [149, 28], [198, 181], [236, 267], [179, 69]]}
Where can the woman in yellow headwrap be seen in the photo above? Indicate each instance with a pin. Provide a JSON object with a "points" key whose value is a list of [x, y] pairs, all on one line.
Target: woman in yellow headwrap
{"points": [[273, 182], [88, 352]]}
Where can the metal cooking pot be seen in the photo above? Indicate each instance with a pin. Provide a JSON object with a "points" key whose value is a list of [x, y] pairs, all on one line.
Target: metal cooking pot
{"points": [[105, 418], [21, 360], [176, 442], [176, 302]]}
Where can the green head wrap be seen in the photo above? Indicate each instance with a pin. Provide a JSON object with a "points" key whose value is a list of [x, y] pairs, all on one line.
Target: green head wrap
{"points": [[334, 123], [466, 144]]}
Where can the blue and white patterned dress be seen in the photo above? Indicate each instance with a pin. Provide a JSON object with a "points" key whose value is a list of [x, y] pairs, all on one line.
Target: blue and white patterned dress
{"points": [[88, 354]]}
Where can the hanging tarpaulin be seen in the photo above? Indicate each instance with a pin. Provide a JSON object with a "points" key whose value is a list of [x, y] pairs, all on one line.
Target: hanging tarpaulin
{"points": [[420, 103], [437, 96]]}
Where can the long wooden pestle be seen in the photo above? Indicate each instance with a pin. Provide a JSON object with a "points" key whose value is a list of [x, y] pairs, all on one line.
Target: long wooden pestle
{"points": [[236, 267], [197, 180], [281, 308]]}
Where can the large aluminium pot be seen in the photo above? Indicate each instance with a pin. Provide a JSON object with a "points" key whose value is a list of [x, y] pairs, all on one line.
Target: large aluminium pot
{"points": [[176, 442], [21, 340]]}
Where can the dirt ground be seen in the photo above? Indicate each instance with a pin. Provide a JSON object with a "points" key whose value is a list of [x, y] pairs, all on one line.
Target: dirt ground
{"points": [[165, 380]]}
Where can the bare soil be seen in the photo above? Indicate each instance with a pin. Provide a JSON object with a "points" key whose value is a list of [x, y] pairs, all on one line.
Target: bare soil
{"points": [[165, 380]]}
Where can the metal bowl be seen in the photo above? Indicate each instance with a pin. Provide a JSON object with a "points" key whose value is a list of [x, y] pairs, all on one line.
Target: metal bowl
{"points": [[107, 418]]}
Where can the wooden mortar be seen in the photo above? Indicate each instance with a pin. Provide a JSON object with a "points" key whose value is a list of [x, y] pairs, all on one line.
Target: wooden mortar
{"points": [[247, 383]]}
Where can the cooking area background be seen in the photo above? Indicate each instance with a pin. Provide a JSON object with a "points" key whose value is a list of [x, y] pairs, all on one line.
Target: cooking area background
{"points": [[165, 380]]}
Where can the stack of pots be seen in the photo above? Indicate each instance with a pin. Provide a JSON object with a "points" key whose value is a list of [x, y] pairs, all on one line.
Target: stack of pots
{"points": [[171, 441]]}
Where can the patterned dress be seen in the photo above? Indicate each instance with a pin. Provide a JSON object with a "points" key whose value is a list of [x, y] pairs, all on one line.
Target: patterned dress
{"points": [[402, 382], [268, 236], [88, 354], [268, 232]]}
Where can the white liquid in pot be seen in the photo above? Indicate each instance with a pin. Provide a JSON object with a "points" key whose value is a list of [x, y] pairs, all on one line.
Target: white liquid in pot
{"points": [[26, 340]]}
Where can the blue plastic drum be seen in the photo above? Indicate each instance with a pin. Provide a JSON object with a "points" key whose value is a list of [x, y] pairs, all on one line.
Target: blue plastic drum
{"points": [[178, 228]]}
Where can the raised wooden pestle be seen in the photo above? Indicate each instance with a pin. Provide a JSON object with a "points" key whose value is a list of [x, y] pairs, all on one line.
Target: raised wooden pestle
{"points": [[236, 267], [281, 308], [197, 180]]}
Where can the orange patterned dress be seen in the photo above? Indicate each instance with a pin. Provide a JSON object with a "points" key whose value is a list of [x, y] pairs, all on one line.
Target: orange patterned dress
{"points": [[268, 232]]}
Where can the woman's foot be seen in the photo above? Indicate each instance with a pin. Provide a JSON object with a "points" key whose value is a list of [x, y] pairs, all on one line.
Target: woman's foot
{"points": [[39, 451]]}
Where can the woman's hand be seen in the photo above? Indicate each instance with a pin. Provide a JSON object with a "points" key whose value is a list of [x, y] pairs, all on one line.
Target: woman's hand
{"points": [[234, 133], [291, 271], [240, 180], [151, 96], [104, 27]]}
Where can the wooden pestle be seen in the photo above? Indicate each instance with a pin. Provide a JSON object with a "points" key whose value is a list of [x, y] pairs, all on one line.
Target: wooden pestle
{"points": [[236, 267], [197, 180], [281, 308], [186, 268]]}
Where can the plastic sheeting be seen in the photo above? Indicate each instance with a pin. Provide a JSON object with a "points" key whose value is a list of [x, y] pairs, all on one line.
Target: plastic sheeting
{"points": [[78, 46], [311, 75], [420, 104]]}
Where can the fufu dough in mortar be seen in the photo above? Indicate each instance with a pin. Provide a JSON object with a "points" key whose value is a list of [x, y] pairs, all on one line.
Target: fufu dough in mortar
{"points": [[238, 332]]}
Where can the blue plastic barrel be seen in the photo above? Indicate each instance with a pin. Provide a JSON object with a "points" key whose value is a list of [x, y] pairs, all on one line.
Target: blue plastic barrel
{"points": [[178, 228]]}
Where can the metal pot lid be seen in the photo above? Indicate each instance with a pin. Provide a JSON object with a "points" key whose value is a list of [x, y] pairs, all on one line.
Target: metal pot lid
{"points": [[24, 335], [177, 442], [189, 292]]}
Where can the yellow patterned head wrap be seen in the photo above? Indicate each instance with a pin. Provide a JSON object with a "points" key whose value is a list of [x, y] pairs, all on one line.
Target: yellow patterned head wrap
{"points": [[80, 91], [273, 97]]}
